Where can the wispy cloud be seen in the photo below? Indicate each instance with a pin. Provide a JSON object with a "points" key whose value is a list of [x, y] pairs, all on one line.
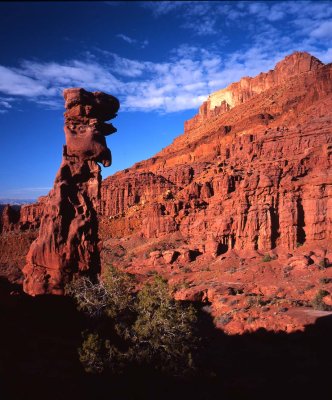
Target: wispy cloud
{"points": [[130, 40], [5, 104], [190, 72], [200, 17], [323, 31], [159, 8], [13, 82], [180, 84], [212, 17]]}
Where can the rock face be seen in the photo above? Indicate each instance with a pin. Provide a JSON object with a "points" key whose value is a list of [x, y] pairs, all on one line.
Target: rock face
{"points": [[237, 211], [255, 176], [239, 92], [68, 241], [10, 217]]}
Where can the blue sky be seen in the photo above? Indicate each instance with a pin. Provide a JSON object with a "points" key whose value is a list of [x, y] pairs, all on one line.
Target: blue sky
{"points": [[161, 59]]}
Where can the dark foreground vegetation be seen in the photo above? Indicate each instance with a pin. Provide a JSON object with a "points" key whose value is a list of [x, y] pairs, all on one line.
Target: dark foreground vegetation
{"points": [[40, 338], [135, 329]]}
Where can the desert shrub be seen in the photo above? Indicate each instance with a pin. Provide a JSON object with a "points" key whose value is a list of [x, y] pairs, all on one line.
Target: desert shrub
{"points": [[256, 301], [90, 353], [148, 328], [90, 297], [323, 263], [224, 319], [120, 289], [164, 328], [112, 295], [267, 258], [152, 273], [318, 302], [183, 285], [234, 291], [325, 280], [309, 287]]}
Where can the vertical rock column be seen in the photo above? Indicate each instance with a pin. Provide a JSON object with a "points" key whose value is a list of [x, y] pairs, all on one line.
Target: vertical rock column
{"points": [[68, 242]]}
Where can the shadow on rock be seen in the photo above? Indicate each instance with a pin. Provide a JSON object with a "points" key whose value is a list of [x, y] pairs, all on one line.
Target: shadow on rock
{"points": [[39, 338]]}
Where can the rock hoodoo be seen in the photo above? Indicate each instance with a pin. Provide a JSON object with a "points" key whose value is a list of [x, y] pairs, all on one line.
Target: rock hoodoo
{"points": [[68, 242]]}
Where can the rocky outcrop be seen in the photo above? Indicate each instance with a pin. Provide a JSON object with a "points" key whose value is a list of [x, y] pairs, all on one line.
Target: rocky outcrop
{"points": [[68, 241], [239, 92], [236, 212], [10, 217], [256, 177]]}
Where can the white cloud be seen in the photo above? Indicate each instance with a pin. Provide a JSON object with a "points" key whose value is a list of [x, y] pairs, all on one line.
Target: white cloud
{"points": [[323, 31], [5, 105], [214, 17], [159, 8], [182, 83], [133, 41], [141, 85], [191, 72], [126, 67], [324, 55], [15, 83], [200, 17], [73, 72]]}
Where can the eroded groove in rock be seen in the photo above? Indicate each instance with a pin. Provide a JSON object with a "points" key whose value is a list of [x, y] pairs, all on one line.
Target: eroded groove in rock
{"points": [[68, 242]]}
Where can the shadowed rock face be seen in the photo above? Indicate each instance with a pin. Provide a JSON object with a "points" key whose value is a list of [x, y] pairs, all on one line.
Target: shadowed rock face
{"points": [[68, 238]]}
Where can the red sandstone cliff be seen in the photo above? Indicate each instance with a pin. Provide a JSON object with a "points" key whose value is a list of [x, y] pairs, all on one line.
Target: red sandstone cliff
{"points": [[250, 176], [253, 174], [241, 203], [254, 177]]}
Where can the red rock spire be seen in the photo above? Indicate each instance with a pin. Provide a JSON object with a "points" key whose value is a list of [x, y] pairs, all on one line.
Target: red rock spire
{"points": [[67, 243]]}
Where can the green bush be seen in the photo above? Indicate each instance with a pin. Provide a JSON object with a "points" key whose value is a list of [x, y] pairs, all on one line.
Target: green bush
{"points": [[267, 258], [318, 302], [90, 353], [111, 296], [323, 263], [325, 280], [165, 328], [90, 297], [147, 328]]}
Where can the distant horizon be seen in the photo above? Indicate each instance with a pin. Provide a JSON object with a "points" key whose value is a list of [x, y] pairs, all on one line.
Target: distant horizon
{"points": [[161, 59], [4, 200]]}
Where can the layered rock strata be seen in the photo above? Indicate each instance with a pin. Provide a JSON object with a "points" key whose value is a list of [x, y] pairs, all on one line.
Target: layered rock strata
{"points": [[68, 241], [253, 178], [237, 211]]}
